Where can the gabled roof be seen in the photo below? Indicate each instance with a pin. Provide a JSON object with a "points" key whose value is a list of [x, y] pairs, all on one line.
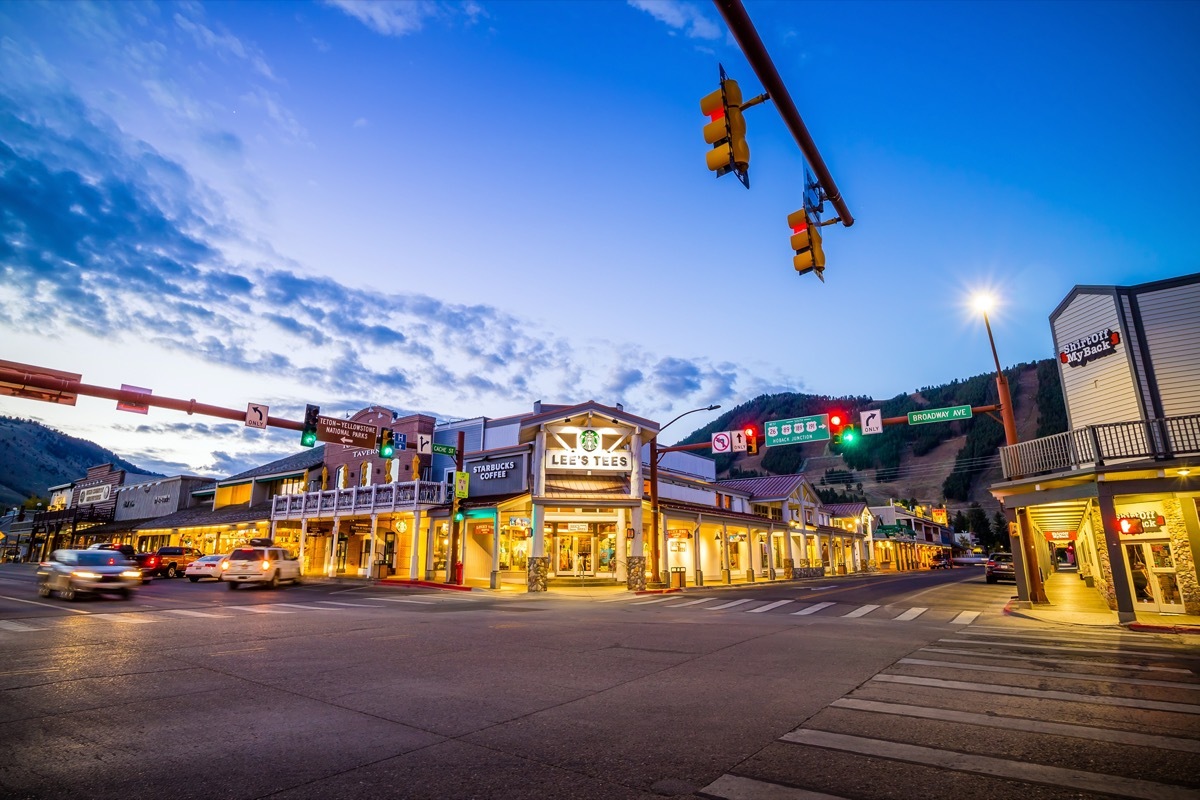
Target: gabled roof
{"points": [[205, 516], [297, 462], [592, 406], [845, 509], [769, 487]]}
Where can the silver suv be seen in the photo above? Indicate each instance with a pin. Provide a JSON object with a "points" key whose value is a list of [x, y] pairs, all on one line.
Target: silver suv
{"points": [[254, 563], [1000, 567]]}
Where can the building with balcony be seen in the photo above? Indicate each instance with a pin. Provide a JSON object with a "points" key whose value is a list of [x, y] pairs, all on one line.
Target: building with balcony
{"points": [[1114, 500], [907, 539]]}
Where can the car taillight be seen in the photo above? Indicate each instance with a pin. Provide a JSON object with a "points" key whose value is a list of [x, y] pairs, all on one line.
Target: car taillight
{"points": [[991, 563], [266, 565]]}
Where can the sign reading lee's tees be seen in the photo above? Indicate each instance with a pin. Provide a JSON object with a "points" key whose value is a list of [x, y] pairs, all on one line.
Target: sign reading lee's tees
{"points": [[343, 431], [939, 415], [795, 431]]}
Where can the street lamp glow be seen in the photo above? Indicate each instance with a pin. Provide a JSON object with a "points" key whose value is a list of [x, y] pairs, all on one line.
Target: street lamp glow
{"points": [[983, 302]]}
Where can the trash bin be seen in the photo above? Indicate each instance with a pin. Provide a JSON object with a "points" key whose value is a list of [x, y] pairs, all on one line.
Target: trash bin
{"points": [[678, 577]]}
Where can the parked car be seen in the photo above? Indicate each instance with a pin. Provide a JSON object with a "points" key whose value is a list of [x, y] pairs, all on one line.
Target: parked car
{"points": [[1000, 567], [72, 573], [205, 567], [125, 549], [941, 561], [172, 561], [260, 564], [148, 564]]}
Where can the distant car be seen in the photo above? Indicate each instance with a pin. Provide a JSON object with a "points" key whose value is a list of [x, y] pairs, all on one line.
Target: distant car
{"points": [[205, 567], [72, 573], [941, 561], [172, 561], [1000, 567], [125, 549], [148, 564], [260, 564]]}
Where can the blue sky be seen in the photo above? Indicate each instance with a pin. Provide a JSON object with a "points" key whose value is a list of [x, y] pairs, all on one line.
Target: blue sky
{"points": [[461, 208]]}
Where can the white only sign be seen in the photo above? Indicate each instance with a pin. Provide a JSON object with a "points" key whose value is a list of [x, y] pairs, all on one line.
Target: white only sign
{"points": [[721, 442], [872, 421], [256, 415]]}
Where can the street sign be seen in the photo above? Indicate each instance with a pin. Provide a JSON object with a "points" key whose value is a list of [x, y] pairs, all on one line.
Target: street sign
{"points": [[424, 444], [721, 442], [343, 431], [871, 421], [939, 415], [256, 415], [461, 481], [445, 449], [798, 430], [739, 441], [894, 530], [400, 440]]}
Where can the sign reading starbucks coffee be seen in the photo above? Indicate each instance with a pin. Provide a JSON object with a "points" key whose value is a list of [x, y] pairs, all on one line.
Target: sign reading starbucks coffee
{"points": [[497, 475]]}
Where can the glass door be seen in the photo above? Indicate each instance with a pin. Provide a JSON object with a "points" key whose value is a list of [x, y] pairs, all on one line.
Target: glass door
{"points": [[575, 555], [1151, 570]]}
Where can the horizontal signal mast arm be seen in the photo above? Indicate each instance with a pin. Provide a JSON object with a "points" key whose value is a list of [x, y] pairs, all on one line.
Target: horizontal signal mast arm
{"points": [[25, 380], [697, 446], [974, 410]]}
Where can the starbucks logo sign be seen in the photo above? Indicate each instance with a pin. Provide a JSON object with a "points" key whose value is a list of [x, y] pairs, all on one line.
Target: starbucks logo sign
{"points": [[589, 440]]}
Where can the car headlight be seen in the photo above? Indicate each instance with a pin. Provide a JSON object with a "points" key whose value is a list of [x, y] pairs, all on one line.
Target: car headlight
{"points": [[130, 573], [84, 574]]}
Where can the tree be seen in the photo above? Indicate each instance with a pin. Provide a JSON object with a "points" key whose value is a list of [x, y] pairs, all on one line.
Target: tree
{"points": [[999, 529], [977, 521], [960, 522]]}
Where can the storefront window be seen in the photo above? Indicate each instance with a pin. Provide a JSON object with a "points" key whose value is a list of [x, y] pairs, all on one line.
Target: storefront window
{"points": [[514, 549]]}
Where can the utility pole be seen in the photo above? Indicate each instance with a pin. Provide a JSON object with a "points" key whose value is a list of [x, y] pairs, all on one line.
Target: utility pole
{"points": [[454, 562]]}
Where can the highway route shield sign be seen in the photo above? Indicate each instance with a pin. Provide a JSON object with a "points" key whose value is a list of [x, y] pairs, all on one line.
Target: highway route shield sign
{"points": [[798, 430]]}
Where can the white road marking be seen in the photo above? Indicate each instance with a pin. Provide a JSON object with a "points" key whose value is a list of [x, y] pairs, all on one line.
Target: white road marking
{"points": [[21, 627], [257, 610], [1047, 673], [912, 613], [861, 611], [246, 650], [1091, 782], [306, 608], [130, 619], [620, 599], [769, 606], [402, 600], [189, 613], [812, 609], [352, 605], [965, 618], [735, 787], [1069, 648], [690, 602], [730, 604], [1030, 725], [1107, 664], [1017, 691], [47, 605], [662, 599]]}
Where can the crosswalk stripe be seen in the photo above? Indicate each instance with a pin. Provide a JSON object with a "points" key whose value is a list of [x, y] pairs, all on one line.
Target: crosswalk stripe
{"points": [[189, 613], [10, 625], [950, 651], [912, 613], [986, 765], [1018, 691], [1068, 648], [1018, 724], [736, 787], [306, 608], [129, 619], [692, 602], [405, 600], [258, 610], [351, 605], [965, 618], [814, 608], [662, 599], [730, 604], [1047, 673], [619, 599], [861, 611], [769, 606]]}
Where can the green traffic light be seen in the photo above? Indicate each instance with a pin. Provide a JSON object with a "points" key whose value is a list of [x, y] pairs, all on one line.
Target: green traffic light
{"points": [[308, 438], [458, 517]]}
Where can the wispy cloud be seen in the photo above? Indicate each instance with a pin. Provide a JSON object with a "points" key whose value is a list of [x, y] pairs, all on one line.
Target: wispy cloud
{"points": [[389, 17], [223, 43], [681, 16]]}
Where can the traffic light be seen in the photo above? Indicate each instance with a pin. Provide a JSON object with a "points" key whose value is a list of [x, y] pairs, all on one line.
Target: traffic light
{"points": [[308, 436], [751, 440], [726, 131], [806, 241], [387, 443], [837, 426], [1129, 525], [850, 435]]}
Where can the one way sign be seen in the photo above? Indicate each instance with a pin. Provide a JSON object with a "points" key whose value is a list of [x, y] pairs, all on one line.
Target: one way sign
{"points": [[872, 421]]}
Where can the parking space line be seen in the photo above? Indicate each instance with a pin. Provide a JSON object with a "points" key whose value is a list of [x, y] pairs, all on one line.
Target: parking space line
{"points": [[812, 609], [769, 606]]}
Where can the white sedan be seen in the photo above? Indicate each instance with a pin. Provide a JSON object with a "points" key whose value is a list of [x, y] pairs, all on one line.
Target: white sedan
{"points": [[205, 567]]}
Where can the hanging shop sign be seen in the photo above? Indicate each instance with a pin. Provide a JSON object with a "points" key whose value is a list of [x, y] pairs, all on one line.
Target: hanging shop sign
{"points": [[1061, 536], [737, 537], [1089, 348], [580, 460], [679, 533], [941, 516], [1152, 521], [577, 527], [519, 522]]}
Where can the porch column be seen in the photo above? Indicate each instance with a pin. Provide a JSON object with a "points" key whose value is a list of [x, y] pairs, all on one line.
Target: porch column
{"points": [[789, 556], [303, 540], [697, 573], [371, 556], [726, 574], [495, 581], [271, 530], [622, 571], [770, 554], [430, 533], [330, 564], [636, 579], [538, 571], [414, 559]]}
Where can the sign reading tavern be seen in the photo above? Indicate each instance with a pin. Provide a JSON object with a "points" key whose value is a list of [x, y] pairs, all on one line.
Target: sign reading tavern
{"points": [[1088, 348]]}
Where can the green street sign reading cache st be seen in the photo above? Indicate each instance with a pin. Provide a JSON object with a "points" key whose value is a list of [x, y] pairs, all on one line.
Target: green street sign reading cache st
{"points": [[795, 431], [939, 415]]}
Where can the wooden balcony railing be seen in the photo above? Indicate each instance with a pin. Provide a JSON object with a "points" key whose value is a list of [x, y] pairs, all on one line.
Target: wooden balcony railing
{"points": [[383, 498], [1096, 445]]}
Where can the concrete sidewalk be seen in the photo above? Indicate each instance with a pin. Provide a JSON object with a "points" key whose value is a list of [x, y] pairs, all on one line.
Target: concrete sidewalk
{"points": [[1073, 602]]}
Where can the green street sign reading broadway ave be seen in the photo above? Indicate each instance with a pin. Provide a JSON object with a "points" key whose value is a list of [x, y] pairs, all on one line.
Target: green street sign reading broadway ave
{"points": [[795, 431], [939, 415]]}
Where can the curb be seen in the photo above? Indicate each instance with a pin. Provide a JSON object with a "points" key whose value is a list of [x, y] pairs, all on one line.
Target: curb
{"points": [[450, 587], [1152, 628]]}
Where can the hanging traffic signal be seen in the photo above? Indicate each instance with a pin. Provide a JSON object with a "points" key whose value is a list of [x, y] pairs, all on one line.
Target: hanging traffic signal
{"points": [[850, 435], [837, 426], [751, 440], [308, 437], [387, 443], [806, 241], [726, 131], [1129, 525]]}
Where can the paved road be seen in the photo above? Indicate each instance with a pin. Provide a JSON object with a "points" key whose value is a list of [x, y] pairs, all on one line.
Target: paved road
{"points": [[885, 686]]}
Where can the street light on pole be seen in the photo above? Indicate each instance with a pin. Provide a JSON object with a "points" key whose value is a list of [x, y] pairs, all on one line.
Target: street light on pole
{"points": [[656, 581]]}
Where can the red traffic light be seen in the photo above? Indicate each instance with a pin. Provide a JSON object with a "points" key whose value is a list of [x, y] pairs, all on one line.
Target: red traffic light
{"points": [[836, 419]]}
